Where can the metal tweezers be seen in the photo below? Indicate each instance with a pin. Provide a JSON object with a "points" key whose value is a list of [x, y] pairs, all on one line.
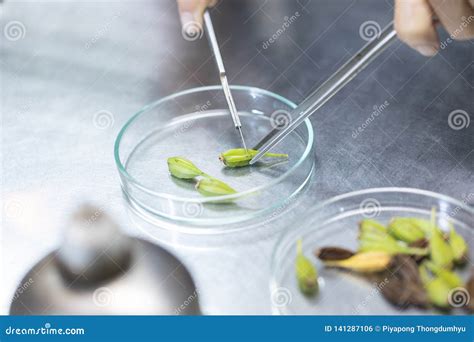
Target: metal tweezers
{"points": [[328, 89], [211, 36]]}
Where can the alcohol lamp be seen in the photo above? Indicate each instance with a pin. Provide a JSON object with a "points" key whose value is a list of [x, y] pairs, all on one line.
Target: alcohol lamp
{"points": [[98, 270]]}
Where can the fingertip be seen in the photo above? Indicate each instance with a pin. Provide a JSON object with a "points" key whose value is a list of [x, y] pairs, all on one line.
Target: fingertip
{"points": [[191, 16], [414, 26], [427, 50], [186, 18]]}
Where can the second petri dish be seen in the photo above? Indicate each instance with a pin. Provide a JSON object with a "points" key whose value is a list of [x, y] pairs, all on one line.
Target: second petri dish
{"points": [[335, 223]]}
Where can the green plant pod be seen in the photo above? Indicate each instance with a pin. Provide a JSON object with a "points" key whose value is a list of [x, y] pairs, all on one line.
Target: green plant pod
{"points": [[213, 187], [405, 229], [371, 226], [437, 288], [306, 272], [383, 242], [239, 157], [450, 277], [438, 292], [440, 252], [183, 168], [458, 246], [423, 224]]}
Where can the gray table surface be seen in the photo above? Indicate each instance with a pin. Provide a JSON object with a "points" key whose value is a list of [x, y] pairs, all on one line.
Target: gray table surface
{"points": [[69, 61]]}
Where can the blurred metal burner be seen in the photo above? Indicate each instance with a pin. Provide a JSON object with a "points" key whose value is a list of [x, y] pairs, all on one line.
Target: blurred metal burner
{"points": [[100, 271]]}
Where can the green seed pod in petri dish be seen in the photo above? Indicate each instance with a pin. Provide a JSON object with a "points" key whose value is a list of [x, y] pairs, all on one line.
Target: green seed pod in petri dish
{"points": [[183, 168], [240, 157], [214, 187], [306, 272]]}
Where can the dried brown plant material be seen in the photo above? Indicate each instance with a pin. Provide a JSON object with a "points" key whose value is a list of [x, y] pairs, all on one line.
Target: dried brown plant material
{"points": [[333, 253], [404, 287]]}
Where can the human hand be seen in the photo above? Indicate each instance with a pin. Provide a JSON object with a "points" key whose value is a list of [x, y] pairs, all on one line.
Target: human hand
{"points": [[415, 25], [190, 13]]}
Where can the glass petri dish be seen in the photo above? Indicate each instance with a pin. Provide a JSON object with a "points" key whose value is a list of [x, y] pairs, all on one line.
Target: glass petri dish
{"points": [[196, 124], [335, 223]]}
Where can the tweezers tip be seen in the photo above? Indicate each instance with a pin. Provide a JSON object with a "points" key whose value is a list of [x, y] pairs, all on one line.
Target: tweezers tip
{"points": [[244, 145], [255, 159]]}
